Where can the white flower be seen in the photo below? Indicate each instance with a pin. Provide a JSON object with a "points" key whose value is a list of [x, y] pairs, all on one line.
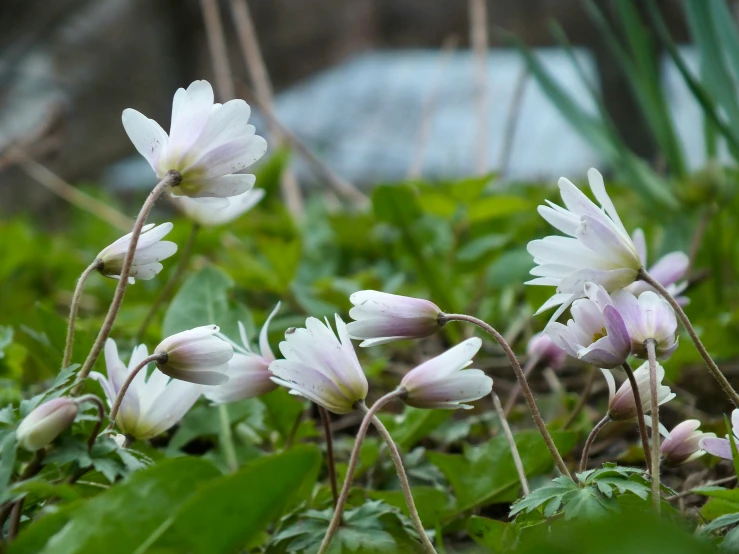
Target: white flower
{"points": [[210, 212], [621, 404], [682, 445], [150, 250], [152, 404], [648, 317], [722, 447], [321, 367], [382, 317], [208, 144], [596, 333], [196, 356], [667, 271], [248, 372], [598, 248], [46, 422], [440, 382]]}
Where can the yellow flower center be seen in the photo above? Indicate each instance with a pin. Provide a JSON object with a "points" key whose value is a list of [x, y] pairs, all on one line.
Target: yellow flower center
{"points": [[600, 334]]}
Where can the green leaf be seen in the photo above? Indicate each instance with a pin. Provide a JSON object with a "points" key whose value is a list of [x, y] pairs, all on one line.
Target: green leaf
{"points": [[471, 479], [493, 207], [557, 488], [124, 517], [720, 522], [8, 450], [491, 533], [396, 204], [413, 425], [241, 505], [432, 503]]}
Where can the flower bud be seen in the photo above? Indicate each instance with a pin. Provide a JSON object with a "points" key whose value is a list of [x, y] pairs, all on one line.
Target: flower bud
{"points": [[381, 317], [150, 250], [722, 447], [546, 351], [195, 356], [648, 317], [46, 422], [621, 404], [683, 443], [440, 382]]}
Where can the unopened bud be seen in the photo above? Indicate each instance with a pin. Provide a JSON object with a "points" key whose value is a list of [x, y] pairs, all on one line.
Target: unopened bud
{"points": [[546, 351], [46, 422], [195, 356], [683, 443]]}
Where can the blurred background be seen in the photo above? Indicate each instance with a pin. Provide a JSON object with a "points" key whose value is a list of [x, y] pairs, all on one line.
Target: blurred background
{"points": [[380, 90]]}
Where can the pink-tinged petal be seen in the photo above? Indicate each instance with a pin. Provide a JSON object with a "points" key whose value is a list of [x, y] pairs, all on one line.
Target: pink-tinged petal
{"points": [[147, 136], [248, 377], [611, 382], [560, 219], [222, 187], [601, 236], [600, 357], [451, 391], [717, 447], [608, 279], [443, 365], [670, 268], [201, 377], [311, 384], [191, 110], [735, 421], [231, 157], [575, 200], [599, 191], [617, 332], [227, 122], [169, 409], [107, 390]]}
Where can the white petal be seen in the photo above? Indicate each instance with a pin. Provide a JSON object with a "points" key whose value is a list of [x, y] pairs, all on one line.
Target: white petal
{"points": [[146, 135], [191, 110]]}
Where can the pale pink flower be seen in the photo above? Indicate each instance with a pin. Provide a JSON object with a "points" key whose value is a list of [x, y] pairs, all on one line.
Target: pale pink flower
{"points": [[621, 404], [543, 348], [46, 422], [196, 356], [682, 445], [667, 271], [722, 447]]}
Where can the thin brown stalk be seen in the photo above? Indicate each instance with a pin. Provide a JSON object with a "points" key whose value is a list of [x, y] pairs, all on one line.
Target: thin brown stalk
{"points": [[527, 393], [166, 292], [682, 316], [127, 383], [74, 306], [652, 356], [64, 190], [639, 414], [260, 78], [218, 49], [516, 392], [512, 443], [172, 178], [101, 416], [589, 442], [479, 40]]}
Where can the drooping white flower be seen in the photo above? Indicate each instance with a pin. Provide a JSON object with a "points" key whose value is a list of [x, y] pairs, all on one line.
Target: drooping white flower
{"points": [[248, 372], [596, 333], [682, 445], [152, 404], [211, 212], [381, 317], [321, 367], [46, 422], [196, 356], [444, 383], [648, 317], [621, 404], [150, 250], [722, 447], [597, 249], [545, 350], [667, 271], [208, 144]]}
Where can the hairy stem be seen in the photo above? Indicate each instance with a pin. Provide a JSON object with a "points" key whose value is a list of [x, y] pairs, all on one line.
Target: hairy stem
{"points": [[404, 484], [227, 439], [652, 355], [588, 443], [712, 367], [516, 392], [581, 401], [173, 178], [330, 462], [528, 395], [166, 292], [353, 459], [127, 383], [74, 306], [639, 414], [512, 443], [101, 416]]}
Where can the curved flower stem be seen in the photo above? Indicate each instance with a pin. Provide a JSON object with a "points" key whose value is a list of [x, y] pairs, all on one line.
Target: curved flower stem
{"points": [[527, 369], [353, 459], [528, 395], [101, 416], [639, 414], [330, 462], [712, 367], [511, 442], [588, 443], [74, 306], [166, 292], [14, 509], [398, 461], [127, 383], [173, 178], [581, 401], [652, 355]]}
